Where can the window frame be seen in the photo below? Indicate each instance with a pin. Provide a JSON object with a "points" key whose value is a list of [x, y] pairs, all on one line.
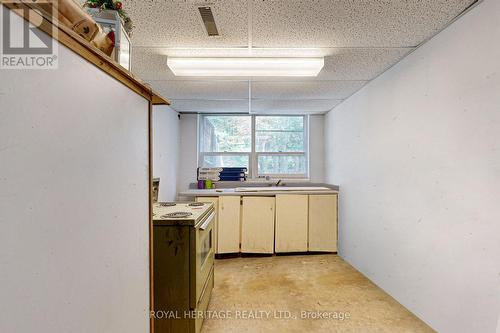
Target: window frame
{"points": [[253, 155]]}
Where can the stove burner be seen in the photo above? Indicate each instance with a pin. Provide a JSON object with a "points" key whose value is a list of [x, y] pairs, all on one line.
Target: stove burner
{"points": [[196, 204], [167, 204], [177, 215]]}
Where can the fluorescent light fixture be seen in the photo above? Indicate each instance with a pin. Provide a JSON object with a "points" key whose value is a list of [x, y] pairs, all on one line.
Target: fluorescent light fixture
{"points": [[245, 66]]}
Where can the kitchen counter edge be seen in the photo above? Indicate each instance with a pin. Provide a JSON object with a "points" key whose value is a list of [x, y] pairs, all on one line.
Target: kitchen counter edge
{"points": [[227, 192]]}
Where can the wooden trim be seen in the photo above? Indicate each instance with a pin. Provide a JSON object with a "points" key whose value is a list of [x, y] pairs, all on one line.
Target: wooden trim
{"points": [[158, 100], [79, 45]]}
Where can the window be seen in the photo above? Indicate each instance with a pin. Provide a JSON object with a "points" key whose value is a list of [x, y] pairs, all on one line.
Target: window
{"points": [[280, 145], [274, 146], [225, 141]]}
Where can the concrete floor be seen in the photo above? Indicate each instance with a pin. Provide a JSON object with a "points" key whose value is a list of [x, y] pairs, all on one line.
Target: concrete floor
{"points": [[245, 288]]}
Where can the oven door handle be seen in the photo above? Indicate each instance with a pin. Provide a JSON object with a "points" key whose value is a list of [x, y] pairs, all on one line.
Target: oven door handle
{"points": [[207, 221]]}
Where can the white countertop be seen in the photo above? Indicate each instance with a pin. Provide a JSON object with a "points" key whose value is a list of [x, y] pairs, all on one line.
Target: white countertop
{"points": [[270, 192]]}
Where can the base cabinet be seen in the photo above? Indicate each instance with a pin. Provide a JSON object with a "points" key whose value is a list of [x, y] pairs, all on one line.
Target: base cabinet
{"points": [[291, 223], [275, 224], [228, 236], [257, 225], [323, 223]]}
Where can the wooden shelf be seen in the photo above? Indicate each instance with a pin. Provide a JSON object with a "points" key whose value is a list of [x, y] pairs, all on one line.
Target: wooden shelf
{"points": [[79, 45]]}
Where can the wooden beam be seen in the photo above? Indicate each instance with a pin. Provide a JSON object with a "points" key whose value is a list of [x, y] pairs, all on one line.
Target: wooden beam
{"points": [[158, 100]]}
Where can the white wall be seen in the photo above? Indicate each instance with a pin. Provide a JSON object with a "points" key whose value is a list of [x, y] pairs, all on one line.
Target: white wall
{"points": [[417, 156], [316, 148], [73, 201], [166, 143], [188, 160]]}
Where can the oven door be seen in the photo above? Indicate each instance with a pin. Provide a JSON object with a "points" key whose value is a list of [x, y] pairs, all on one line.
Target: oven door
{"points": [[205, 252]]}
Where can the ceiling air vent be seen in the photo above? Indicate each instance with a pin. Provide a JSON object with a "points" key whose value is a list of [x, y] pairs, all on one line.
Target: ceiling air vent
{"points": [[208, 20]]}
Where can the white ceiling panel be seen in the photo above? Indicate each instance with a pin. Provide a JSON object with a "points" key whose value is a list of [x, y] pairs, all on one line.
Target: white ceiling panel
{"points": [[305, 90], [363, 23], [211, 106], [214, 89], [149, 65], [177, 23], [360, 64], [293, 106], [359, 40], [246, 52], [291, 23]]}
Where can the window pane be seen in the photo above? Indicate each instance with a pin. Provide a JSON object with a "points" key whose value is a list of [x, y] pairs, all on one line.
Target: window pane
{"points": [[281, 123], [282, 164], [279, 134], [226, 161], [279, 141], [226, 134]]}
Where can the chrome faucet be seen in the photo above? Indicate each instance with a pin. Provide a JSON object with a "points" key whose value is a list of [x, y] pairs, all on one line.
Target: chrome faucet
{"points": [[278, 183]]}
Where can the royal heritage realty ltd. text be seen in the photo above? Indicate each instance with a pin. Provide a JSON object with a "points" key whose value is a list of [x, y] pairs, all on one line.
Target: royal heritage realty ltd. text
{"points": [[251, 314]]}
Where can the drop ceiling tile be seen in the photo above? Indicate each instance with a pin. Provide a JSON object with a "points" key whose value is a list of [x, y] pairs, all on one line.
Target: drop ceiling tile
{"points": [[149, 65], [364, 23], [360, 64], [208, 89], [305, 89], [293, 106], [351, 35], [246, 52], [211, 106], [177, 23]]}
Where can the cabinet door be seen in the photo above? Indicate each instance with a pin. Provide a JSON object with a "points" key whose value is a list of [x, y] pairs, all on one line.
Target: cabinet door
{"points": [[215, 201], [291, 223], [257, 225], [229, 224], [323, 223]]}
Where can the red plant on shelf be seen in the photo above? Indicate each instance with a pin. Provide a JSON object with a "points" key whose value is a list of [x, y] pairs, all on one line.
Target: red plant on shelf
{"points": [[112, 5]]}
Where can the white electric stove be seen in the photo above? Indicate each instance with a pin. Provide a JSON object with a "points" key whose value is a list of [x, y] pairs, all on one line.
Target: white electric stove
{"points": [[180, 213], [183, 263]]}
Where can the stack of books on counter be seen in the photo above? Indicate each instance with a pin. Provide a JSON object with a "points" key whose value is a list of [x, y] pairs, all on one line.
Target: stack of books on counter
{"points": [[222, 174]]}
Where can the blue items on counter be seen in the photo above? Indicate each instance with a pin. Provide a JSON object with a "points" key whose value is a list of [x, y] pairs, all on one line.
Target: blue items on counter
{"points": [[232, 178], [222, 174]]}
